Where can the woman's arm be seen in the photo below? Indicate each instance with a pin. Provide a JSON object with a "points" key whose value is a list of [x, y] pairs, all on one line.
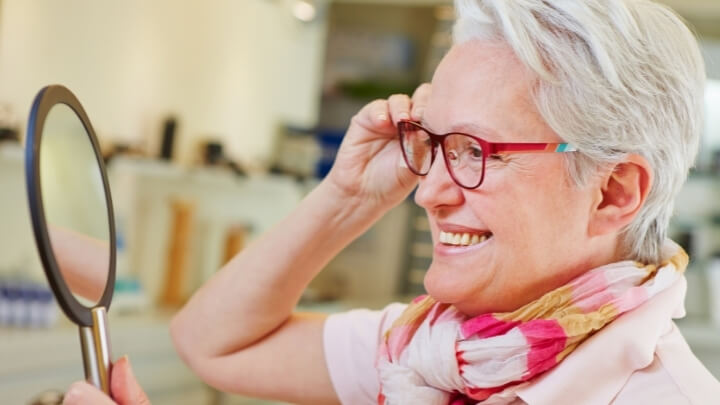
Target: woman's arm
{"points": [[257, 290], [239, 331], [248, 304]]}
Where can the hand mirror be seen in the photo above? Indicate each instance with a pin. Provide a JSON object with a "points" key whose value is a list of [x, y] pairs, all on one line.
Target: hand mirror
{"points": [[72, 218]]}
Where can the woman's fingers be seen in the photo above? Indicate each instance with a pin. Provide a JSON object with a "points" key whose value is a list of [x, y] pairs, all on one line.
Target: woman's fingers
{"points": [[82, 393], [374, 116], [384, 114], [379, 113], [399, 105], [403, 107], [124, 386], [419, 101]]}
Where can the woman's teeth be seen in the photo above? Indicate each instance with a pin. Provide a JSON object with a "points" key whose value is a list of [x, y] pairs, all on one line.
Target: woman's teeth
{"points": [[463, 239]]}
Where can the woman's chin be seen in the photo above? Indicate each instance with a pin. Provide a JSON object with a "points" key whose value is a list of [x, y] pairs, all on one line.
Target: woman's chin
{"points": [[452, 285]]}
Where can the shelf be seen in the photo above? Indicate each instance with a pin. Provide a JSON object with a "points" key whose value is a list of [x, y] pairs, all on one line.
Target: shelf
{"points": [[35, 360]]}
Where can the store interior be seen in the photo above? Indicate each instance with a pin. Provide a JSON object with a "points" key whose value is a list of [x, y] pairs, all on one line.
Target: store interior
{"points": [[215, 119]]}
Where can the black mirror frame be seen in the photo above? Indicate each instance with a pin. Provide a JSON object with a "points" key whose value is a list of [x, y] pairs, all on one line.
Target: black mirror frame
{"points": [[43, 103]]}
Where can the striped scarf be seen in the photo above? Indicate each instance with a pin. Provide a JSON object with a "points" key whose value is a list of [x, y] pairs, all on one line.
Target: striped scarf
{"points": [[434, 355]]}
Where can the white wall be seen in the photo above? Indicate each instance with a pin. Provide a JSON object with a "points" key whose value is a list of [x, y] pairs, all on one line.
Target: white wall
{"points": [[711, 53], [18, 255], [711, 139], [228, 68], [711, 135]]}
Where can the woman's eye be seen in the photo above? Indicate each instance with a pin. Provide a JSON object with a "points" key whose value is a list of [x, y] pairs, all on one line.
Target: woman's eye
{"points": [[498, 158], [476, 153]]}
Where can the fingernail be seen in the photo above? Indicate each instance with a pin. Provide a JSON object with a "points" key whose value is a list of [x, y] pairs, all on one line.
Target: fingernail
{"points": [[132, 384], [418, 112], [120, 361], [382, 117], [403, 116], [129, 366]]}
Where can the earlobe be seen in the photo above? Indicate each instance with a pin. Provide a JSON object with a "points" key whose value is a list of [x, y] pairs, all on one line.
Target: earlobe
{"points": [[621, 195]]}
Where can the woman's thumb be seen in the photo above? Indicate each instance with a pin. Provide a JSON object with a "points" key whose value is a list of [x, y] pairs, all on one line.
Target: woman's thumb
{"points": [[124, 387]]}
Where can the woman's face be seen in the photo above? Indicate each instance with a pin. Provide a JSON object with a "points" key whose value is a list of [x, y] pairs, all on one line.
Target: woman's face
{"points": [[537, 219]]}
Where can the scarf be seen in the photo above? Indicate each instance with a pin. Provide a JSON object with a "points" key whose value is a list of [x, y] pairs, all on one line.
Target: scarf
{"points": [[435, 355]]}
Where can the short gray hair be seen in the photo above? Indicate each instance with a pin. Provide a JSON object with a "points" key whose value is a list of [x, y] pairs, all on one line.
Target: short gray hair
{"points": [[613, 77]]}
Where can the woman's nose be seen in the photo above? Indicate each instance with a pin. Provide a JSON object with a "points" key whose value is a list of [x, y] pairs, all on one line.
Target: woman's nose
{"points": [[437, 188]]}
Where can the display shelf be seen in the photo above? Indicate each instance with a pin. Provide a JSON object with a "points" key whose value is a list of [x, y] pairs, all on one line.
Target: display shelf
{"points": [[36, 360]]}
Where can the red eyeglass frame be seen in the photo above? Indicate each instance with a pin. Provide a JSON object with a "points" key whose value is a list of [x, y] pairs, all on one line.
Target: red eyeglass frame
{"points": [[488, 149]]}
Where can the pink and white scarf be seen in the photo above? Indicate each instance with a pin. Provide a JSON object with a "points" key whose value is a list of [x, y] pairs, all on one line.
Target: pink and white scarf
{"points": [[435, 355]]}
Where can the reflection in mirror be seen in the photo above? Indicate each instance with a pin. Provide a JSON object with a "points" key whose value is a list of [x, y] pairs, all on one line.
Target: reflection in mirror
{"points": [[75, 204]]}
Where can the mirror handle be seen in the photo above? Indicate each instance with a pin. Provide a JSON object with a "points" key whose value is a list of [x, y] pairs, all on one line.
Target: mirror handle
{"points": [[96, 351]]}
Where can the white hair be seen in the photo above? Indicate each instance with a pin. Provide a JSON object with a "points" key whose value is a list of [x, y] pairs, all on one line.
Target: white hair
{"points": [[614, 77]]}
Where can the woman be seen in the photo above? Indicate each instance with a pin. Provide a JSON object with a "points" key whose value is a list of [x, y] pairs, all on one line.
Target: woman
{"points": [[552, 281]]}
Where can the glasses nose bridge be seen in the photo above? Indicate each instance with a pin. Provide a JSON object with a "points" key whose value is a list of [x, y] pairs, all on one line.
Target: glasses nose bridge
{"points": [[438, 153], [438, 144]]}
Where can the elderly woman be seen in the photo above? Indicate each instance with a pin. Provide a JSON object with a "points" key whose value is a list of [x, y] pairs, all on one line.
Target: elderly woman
{"points": [[548, 152]]}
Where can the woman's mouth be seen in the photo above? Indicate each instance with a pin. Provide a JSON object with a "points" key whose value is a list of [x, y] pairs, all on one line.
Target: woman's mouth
{"points": [[451, 243], [463, 239]]}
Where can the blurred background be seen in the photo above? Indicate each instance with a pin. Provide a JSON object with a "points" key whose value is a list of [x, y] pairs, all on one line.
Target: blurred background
{"points": [[216, 118]]}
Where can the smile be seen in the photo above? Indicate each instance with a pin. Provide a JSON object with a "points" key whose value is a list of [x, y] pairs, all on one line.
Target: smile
{"points": [[463, 239]]}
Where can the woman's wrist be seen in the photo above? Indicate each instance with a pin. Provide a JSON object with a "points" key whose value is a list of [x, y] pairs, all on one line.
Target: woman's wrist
{"points": [[349, 208]]}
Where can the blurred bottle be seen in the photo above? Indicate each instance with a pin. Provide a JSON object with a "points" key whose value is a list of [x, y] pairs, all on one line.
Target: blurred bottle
{"points": [[26, 304], [129, 296], [4, 304]]}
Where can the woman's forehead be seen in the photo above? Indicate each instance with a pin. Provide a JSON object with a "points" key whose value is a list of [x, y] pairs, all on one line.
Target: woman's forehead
{"points": [[467, 127], [482, 89]]}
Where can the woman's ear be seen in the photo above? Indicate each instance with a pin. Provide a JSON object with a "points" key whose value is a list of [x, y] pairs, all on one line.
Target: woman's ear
{"points": [[622, 193]]}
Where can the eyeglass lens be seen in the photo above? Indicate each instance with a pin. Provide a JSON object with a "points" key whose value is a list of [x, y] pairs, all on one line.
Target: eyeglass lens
{"points": [[463, 154]]}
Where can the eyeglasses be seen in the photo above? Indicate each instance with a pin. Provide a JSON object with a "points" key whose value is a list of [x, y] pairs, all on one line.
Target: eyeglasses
{"points": [[465, 155]]}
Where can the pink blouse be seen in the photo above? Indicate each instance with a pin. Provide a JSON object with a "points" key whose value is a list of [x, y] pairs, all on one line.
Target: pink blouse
{"points": [[640, 358]]}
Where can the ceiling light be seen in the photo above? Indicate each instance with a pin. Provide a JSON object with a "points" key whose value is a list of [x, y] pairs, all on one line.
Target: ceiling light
{"points": [[304, 10]]}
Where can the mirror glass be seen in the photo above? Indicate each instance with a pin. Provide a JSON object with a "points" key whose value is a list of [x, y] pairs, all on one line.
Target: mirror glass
{"points": [[75, 204]]}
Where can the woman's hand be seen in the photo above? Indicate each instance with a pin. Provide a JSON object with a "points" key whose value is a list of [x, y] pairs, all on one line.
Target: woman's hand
{"points": [[369, 165], [123, 385]]}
